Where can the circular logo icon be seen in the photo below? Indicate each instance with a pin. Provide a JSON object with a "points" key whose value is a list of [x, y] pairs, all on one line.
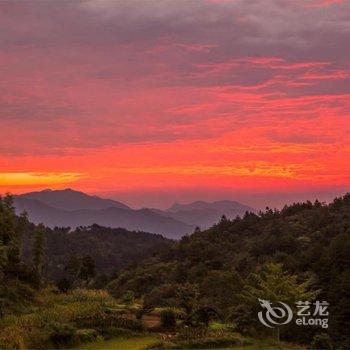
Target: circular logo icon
{"points": [[274, 315]]}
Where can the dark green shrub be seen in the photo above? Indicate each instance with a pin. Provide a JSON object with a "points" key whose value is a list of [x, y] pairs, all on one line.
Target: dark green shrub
{"points": [[140, 313], [63, 334], [87, 335], [321, 342], [64, 285], [128, 297], [168, 319]]}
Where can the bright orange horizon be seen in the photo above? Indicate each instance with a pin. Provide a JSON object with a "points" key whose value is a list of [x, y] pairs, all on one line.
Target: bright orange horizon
{"points": [[152, 102]]}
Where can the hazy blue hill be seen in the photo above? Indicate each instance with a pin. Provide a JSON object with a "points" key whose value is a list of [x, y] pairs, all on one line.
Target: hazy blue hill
{"points": [[69, 199], [221, 206], [39, 212], [206, 214], [72, 208], [139, 220]]}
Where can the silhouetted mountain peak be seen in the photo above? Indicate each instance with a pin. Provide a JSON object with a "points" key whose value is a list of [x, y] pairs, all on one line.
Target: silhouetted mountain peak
{"points": [[69, 199]]}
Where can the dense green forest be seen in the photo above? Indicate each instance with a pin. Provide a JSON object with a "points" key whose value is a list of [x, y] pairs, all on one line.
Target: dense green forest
{"points": [[60, 288], [108, 249], [213, 268]]}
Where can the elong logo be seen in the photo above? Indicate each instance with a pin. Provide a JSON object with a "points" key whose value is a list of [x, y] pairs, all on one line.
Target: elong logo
{"points": [[274, 315], [281, 314]]}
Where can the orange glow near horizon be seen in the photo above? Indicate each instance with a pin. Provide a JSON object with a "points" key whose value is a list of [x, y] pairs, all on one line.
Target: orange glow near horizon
{"points": [[41, 179]]}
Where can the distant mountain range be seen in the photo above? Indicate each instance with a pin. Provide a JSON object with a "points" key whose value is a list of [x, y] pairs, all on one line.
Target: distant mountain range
{"points": [[204, 214], [72, 208]]}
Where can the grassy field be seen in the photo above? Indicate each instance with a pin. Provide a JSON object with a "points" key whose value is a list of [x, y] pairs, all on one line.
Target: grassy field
{"points": [[137, 343], [140, 343], [59, 320], [82, 319]]}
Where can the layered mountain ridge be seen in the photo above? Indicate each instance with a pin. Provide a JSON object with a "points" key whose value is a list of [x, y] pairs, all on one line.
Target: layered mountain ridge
{"points": [[70, 208]]}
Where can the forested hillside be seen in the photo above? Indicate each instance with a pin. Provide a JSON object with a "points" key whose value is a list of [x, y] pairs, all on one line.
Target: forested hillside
{"points": [[34, 253], [301, 252], [109, 249], [48, 277], [216, 267]]}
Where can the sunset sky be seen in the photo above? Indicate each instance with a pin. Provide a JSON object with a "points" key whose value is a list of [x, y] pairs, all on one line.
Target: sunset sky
{"points": [[151, 102]]}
